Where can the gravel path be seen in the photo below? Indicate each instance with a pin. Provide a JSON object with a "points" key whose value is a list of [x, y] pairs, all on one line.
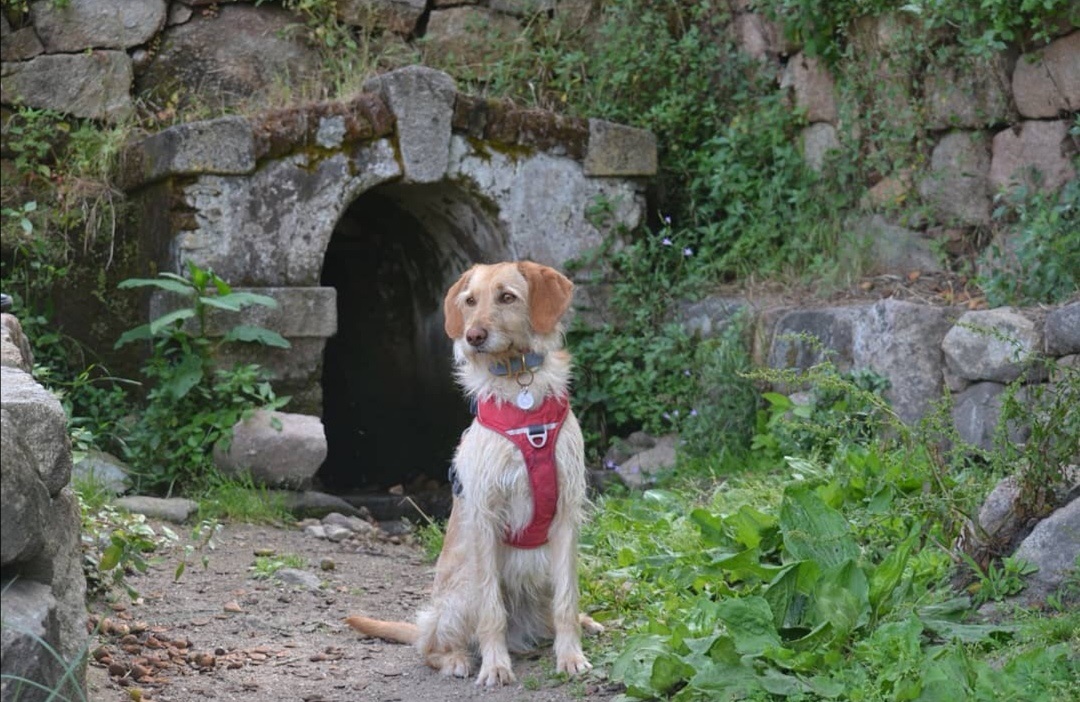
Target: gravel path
{"points": [[222, 634]]}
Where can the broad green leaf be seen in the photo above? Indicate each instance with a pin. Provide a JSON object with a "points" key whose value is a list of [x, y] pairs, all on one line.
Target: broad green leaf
{"points": [[749, 620], [140, 333], [777, 400], [711, 526], [633, 667], [780, 594], [842, 597], [110, 557], [164, 283], [179, 571], [813, 531], [747, 564], [250, 333], [165, 320], [750, 525], [886, 576], [183, 377], [668, 671], [967, 633]]}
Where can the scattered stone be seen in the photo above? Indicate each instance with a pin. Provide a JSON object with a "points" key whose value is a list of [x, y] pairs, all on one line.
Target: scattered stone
{"points": [[336, 533], [233, 607], [316, 530], [103, 470], [171, 509], [264, 552], [642, 467], [353, 524], [312, 504], [298, 578], [327, 564]]}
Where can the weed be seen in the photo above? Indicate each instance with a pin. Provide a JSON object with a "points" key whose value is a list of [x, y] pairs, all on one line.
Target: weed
{"points": [[192, 405], [1038, 257], [239, 499], [266, 566]]}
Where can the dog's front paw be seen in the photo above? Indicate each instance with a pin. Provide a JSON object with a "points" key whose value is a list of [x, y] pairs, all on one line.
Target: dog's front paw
{"points": [[495, 674], [573, 663]]}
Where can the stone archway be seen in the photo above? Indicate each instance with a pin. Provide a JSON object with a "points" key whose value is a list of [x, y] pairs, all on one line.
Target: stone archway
{"points": [[392, 193]]}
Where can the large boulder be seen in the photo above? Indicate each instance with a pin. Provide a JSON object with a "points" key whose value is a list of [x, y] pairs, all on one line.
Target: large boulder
{"points": [[230, 57], [91, 84], [958, 187], [44, 609], [77, 25], [1046, 83], [1062, 329], [277, 449], [996, 345], [1040, 146], [1053, 547]]}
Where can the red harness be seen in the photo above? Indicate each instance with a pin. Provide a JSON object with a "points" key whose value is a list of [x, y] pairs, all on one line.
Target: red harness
{"points": [[534, 432]]}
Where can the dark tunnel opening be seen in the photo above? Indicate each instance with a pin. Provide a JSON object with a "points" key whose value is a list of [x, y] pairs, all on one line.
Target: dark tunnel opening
{"points": [[391, 410]]}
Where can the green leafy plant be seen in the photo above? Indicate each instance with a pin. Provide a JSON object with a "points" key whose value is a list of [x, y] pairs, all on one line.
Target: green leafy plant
{"points": [[996, 582], [1039, 259], [115, 545], [266, 566], [192, 405]]}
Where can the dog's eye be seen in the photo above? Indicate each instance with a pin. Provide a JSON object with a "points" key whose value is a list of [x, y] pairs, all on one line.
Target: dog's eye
{"points": [[507, 297], [470, 301]]}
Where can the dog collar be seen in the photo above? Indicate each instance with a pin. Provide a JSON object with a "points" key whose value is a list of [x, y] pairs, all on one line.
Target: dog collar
{"points": [[516, 365]]}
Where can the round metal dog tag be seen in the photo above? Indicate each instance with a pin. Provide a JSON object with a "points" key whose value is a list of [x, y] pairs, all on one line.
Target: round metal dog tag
{"points": [[525, 399]]}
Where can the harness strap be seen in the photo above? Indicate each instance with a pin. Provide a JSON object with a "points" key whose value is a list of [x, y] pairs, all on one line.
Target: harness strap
{"points": [[535, 433]]}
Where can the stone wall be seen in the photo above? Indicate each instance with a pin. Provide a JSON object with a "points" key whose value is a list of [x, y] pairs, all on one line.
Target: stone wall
{"points": [[44, 612], [924, 351]]}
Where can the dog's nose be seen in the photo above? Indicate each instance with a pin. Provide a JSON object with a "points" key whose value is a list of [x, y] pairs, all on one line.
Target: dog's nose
{"points": [[476, 336]]}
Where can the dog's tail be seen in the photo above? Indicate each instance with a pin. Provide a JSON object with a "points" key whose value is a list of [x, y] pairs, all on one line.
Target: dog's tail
{"points": [[401, 632]]}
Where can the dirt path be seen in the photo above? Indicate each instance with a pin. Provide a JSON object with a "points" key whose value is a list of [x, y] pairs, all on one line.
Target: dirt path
{"points": [[221, 634]]}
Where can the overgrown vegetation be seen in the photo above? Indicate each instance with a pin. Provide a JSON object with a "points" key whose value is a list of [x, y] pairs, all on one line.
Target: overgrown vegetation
{"points": [[193, 404], [821, 572], [803, 548]]}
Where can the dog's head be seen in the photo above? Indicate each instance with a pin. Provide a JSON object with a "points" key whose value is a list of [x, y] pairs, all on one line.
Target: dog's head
{"points": [[507, 308]]}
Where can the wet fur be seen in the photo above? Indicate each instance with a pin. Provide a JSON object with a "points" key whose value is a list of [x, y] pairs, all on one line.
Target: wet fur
{"points": [[488, 596]]}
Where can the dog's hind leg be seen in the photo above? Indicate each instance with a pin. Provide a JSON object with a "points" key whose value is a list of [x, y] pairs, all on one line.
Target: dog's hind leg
{"points": [[443, 641]]}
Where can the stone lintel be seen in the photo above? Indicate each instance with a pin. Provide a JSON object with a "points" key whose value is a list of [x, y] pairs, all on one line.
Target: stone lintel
{"points": [[618, 150], [325, 125], [224, 146]]}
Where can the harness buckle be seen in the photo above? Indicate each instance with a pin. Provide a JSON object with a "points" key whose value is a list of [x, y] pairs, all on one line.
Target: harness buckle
{"points": [[535, 434]]}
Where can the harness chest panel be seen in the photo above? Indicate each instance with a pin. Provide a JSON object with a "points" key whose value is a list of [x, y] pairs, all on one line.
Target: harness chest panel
{"points": [[534, 432]]}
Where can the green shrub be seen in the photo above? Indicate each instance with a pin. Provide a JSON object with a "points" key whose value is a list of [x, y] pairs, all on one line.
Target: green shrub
{"points": [[1039, 260], [191, 404]]}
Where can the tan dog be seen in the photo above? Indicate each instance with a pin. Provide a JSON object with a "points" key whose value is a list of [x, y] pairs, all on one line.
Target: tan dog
{"points": [[507, 575]]}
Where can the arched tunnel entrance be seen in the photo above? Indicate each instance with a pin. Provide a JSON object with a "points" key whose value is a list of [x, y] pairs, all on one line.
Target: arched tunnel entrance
{"points": [[391, 409]]}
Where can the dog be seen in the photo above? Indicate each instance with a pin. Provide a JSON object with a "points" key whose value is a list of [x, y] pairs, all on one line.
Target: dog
{"points": [[506, 578]]}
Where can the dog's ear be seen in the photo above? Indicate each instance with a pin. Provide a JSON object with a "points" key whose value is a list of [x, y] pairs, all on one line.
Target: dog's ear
{"points": [[455, 321], [550, 293]]}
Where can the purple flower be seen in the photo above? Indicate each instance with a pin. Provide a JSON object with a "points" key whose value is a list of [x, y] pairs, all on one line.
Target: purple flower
{"points": [[686, 372], [693, 412], [610, 464], [667, 220], [666, 241], [688, 251], [666, 416]]}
